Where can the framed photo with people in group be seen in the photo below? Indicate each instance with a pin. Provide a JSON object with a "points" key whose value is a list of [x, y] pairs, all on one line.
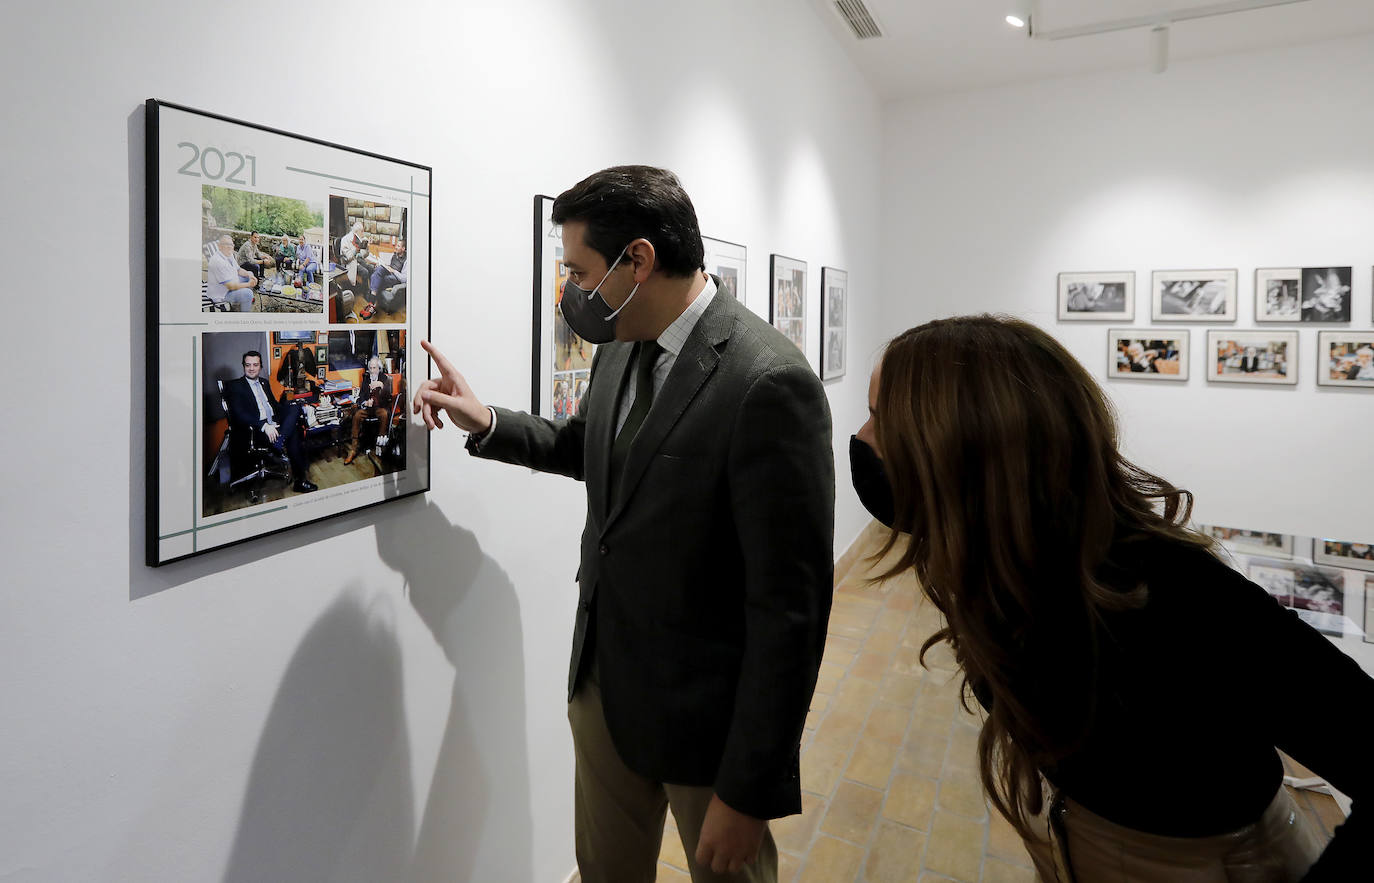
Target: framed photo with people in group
{"points": [[1147, 354], [1343, 553], [787, 298], [1345, 358], [1097, 297], [1193, 295], [266, 408], [729, 262], [1252, 357], [834, 313], [561, 363]]}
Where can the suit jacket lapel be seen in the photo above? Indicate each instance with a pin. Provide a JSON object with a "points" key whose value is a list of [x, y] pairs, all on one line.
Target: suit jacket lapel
{"points": [[604, 400], [694, 365]]}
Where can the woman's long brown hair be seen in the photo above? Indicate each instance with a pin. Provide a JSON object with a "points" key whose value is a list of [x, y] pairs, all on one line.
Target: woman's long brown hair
{"points": [[1020, 519]]}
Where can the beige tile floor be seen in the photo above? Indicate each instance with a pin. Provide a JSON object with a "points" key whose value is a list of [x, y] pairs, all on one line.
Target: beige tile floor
{"points": [[890, 789]]}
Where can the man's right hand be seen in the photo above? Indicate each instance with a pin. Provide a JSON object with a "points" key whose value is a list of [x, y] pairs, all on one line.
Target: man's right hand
{"points": [[271, 432], [449, 393]]}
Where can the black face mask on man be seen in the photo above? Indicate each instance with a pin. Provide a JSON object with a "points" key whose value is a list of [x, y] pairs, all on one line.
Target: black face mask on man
{"points": [[587, 314], [871, 482]]}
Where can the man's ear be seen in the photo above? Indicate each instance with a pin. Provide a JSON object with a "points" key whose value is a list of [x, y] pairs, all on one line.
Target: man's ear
{"points": [[643, 257]]}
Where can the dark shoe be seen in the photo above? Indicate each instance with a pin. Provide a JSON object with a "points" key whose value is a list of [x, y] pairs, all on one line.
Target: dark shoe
{"points": [[368, 311], [304, 487]]}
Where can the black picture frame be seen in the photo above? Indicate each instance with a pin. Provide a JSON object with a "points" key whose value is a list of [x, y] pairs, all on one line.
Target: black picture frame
{"points": [[560, 360], [787, 286], [834, 344], [175, 191]]}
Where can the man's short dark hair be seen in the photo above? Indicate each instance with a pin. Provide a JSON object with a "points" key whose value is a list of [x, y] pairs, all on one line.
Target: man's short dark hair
{"points": [[625, 203], [244, 360]]}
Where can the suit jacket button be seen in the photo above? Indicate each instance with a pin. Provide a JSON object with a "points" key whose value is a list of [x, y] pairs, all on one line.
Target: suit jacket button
{"points": [[585, 605], [605, 550]]}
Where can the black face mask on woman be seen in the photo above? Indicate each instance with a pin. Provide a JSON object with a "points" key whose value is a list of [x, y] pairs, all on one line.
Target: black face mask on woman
{"points": [[870, 481]]}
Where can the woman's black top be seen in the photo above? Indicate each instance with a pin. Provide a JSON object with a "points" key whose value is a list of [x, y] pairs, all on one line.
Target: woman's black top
{"points": [[1198, 689]]}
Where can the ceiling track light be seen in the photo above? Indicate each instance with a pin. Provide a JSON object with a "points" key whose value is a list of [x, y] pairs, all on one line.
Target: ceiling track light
{"points": [[1159, 23], [1202, 10]]}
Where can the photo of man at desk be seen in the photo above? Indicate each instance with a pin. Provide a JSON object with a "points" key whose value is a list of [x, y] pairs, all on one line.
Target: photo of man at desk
{"points": [[296, 432]]}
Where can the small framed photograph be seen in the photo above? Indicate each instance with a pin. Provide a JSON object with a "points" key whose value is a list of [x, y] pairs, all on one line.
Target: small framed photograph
{"points": [[1147, 354], [1097, 297], [1345, 358], [1326, 294], [1251, 542], [1252, 357], [1339, 553], [727, 261], [787, 298], [1319, 598], [1193, 295], [1278, 294], [1276, 579], [276, 353], [834, 310]]}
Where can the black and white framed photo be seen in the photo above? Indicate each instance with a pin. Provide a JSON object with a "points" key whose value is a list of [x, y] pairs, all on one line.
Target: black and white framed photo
{"points": [[1251, 542], [729, 262], [1319, 598], [1276, 579], [834, 310], [787, 298], [1193, 295], [1345, 358], [562, 361], [1147, 354], [1097, 296], [254, 424], [1252, 357], [1278, 294], [1342, 553], [1326, 294]]}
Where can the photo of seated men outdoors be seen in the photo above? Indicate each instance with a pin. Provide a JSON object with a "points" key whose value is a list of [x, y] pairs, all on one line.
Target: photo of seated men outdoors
{"points": [[260, 253], [291, 412], [369, 268]]}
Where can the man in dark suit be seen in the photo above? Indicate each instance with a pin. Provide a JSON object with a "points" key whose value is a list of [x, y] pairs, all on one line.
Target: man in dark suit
{"points": [[704, 440], [255, 412]]}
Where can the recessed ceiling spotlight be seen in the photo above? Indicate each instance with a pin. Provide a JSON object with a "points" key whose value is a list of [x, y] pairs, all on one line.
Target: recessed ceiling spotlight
{"points": [[1016, 21]]}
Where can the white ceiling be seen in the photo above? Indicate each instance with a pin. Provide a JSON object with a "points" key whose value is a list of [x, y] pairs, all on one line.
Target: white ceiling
{"points": [[939, 46]]}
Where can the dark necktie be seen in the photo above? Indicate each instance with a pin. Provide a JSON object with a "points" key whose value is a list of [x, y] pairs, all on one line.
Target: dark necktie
{"points": [[644, 399]]}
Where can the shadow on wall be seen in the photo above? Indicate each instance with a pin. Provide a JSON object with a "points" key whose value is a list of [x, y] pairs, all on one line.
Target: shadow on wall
{"points": [[330, 796], [477, 817]]}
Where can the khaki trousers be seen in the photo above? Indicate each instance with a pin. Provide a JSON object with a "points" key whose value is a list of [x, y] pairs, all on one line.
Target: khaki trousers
{"points": [[619, 814], [1279, 848]]}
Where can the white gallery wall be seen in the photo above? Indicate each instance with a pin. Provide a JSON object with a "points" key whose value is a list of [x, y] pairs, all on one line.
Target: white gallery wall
{"points": [[378, 697], [1259, 160]]}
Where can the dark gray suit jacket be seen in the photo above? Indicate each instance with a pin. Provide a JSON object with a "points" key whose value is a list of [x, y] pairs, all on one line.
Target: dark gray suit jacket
{"points": [[711, 574]]}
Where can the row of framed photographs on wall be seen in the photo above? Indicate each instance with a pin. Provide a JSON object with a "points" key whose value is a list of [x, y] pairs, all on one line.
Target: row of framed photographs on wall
{"points": [[1291, 295], [1344, 358], [787, 309], [562, 361], [1327, 582]]}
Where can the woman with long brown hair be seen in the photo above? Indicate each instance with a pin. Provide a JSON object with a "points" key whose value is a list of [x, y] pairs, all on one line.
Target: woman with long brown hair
{"points": [[1135, 687]]}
